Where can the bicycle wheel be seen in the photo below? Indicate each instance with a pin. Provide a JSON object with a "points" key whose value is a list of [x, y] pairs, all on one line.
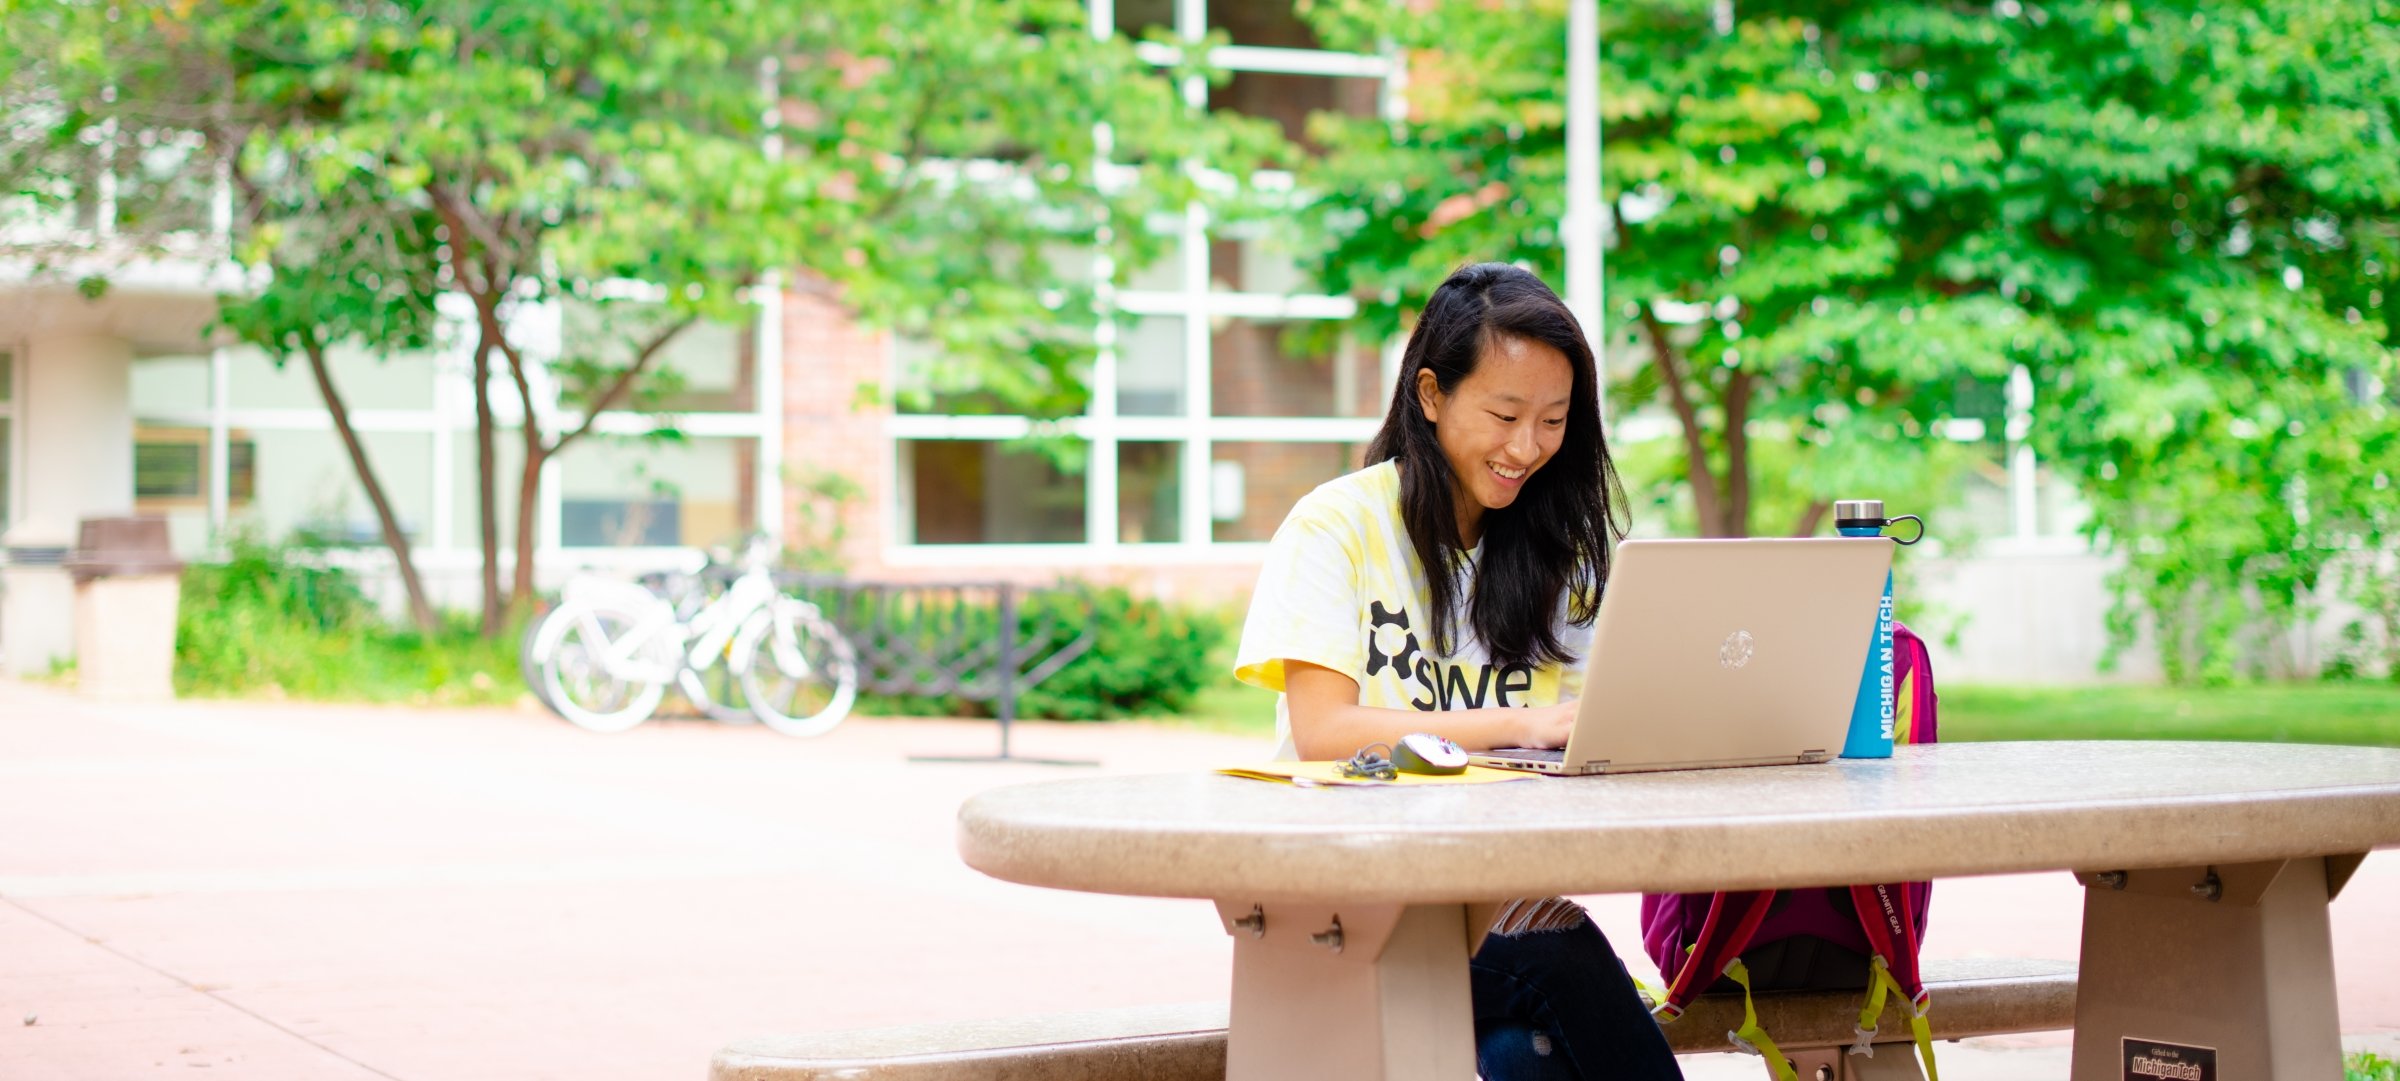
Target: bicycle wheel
{"points": [[575, 648], [715, 689], [800, 674], [530, 656]]}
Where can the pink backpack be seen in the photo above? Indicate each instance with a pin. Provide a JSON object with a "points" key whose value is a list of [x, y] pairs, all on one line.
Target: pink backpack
{"points": [[1695, 938]]}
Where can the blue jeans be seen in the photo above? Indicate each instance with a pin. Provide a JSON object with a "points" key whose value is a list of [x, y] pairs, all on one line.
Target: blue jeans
{"points": [[1559, 1006]]}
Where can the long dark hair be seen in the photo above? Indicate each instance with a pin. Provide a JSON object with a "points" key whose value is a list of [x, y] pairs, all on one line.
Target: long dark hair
{"points": [[1555, 537]]}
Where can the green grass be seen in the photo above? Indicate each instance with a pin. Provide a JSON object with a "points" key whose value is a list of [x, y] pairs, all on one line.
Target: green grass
{"points": [[1232, 708], [368, 662], [2362, 713], [265, 624], [2368, 1066]]}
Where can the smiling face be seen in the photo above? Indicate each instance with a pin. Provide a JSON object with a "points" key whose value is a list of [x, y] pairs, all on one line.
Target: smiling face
{"points": [[1500, 424]]}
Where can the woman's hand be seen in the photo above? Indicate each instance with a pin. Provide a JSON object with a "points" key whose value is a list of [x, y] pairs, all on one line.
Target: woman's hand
{"points": [[1548, 726]]}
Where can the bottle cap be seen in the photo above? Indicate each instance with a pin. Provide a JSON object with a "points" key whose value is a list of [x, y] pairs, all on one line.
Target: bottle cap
{"points": [[1857, 510]]}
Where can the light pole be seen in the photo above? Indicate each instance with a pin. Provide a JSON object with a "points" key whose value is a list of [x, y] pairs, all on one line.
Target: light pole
{"points": [[1581, 231]]}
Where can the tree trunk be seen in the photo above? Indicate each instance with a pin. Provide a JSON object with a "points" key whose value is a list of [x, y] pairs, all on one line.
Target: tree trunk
{"points": [[420, 610], [529, 494], [481, 280], [539, 451], [487, 495], [1737, 454], [529, 479], [1707, 503]]}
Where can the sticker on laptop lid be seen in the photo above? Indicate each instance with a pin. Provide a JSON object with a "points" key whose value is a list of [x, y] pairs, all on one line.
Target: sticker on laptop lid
{"points": [[2150, 1060]]}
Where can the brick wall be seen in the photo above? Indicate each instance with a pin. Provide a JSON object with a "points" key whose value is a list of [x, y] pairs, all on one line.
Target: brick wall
{"points": [[829, 426]]}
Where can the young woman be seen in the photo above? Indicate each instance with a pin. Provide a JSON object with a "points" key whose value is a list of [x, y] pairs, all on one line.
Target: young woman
{"points": [[1490, 472]]}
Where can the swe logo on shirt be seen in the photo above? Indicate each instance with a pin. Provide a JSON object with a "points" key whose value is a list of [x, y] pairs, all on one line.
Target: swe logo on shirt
{"points": [[1442, 684]]}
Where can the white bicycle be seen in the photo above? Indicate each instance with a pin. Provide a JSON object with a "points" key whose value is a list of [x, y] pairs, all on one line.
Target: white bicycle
{"points": [[603, 658]]}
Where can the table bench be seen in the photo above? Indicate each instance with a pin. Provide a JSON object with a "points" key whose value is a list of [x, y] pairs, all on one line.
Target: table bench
{"points": [[1187, 1043]]}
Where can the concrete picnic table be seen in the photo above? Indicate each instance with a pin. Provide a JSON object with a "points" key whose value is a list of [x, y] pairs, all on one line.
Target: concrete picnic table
{"points": [[2207, 866]]}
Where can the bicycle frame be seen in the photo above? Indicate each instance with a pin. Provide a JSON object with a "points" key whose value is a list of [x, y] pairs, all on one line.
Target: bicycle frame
{"points": [[698, 642], [712, 628]]}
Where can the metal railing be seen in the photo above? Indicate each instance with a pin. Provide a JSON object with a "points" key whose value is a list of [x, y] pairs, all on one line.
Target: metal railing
{"points": [[980, 641]]}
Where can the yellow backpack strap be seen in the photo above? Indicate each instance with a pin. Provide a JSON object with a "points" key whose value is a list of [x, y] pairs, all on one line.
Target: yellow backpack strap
{"points": [[1880, 986], [1922, 1028], [1662, 1001], [1657, 997], [1750, 1037]]}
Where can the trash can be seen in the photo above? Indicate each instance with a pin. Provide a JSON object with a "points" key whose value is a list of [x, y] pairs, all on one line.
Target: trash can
{"points": [[127, 584]]}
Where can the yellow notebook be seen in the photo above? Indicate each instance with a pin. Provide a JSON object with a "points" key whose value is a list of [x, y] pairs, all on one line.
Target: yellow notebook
{"points": [[1329, 775]]}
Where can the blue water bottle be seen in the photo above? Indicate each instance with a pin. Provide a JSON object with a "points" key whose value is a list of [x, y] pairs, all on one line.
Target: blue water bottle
{"points": [[1871, 714]]}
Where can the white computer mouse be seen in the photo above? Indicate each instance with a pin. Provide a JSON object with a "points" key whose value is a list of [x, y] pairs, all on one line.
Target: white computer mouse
{"points": [[1424, 752]]}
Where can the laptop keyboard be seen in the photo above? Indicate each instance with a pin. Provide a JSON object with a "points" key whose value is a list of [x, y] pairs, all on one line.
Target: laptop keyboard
{"points": [[1529, 754]]}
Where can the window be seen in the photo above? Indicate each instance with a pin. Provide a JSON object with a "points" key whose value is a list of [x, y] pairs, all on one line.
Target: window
{"points": [[1289, 100], [959, 491], [171, 467], [286, 474], [174, 389], [1235, 390], [365, 380], [1292, 368], [174, 468], [1150, 372], [1149, 493], [1252, 485], [704, 367], [301, 484], [650, 491], [465, 513], [1248, 22], [1138, 19], [1253, 258], [926, 381], [171, 473], [163, 471]]}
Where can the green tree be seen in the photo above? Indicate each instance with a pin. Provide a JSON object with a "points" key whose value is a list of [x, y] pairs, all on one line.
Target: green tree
{"points": [[1836, 225], [118, 124], [351, 273], [1764, 261], [950, 170], [2204, 201]]}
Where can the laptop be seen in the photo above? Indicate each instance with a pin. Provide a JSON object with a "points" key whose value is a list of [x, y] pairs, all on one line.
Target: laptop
{"points": [[1711, 653]]}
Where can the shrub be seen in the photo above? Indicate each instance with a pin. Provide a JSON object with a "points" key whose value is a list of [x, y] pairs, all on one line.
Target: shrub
{"points": [[272, 620], [1148, 657]]}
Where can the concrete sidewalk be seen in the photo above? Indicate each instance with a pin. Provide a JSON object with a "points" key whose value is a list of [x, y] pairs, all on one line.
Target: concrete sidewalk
{"points": [[278, 891]]}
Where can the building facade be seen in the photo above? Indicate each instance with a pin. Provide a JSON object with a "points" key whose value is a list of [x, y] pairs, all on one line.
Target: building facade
{"points": [[1223, 390]]}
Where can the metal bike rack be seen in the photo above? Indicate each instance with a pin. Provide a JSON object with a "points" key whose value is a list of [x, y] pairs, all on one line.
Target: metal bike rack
{"points": [[965, 639]]}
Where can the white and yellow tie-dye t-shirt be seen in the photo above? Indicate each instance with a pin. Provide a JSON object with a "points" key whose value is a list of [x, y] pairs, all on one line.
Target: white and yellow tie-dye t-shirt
{"points": [[1342, 588]]}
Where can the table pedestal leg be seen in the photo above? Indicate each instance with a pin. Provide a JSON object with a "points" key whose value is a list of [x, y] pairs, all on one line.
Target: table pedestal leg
{"points": [[2200, 973], [1373, 991]]}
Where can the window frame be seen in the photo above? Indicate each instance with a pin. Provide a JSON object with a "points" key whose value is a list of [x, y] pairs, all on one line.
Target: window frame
{"points": [[445, 541], [1199, 306]]}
